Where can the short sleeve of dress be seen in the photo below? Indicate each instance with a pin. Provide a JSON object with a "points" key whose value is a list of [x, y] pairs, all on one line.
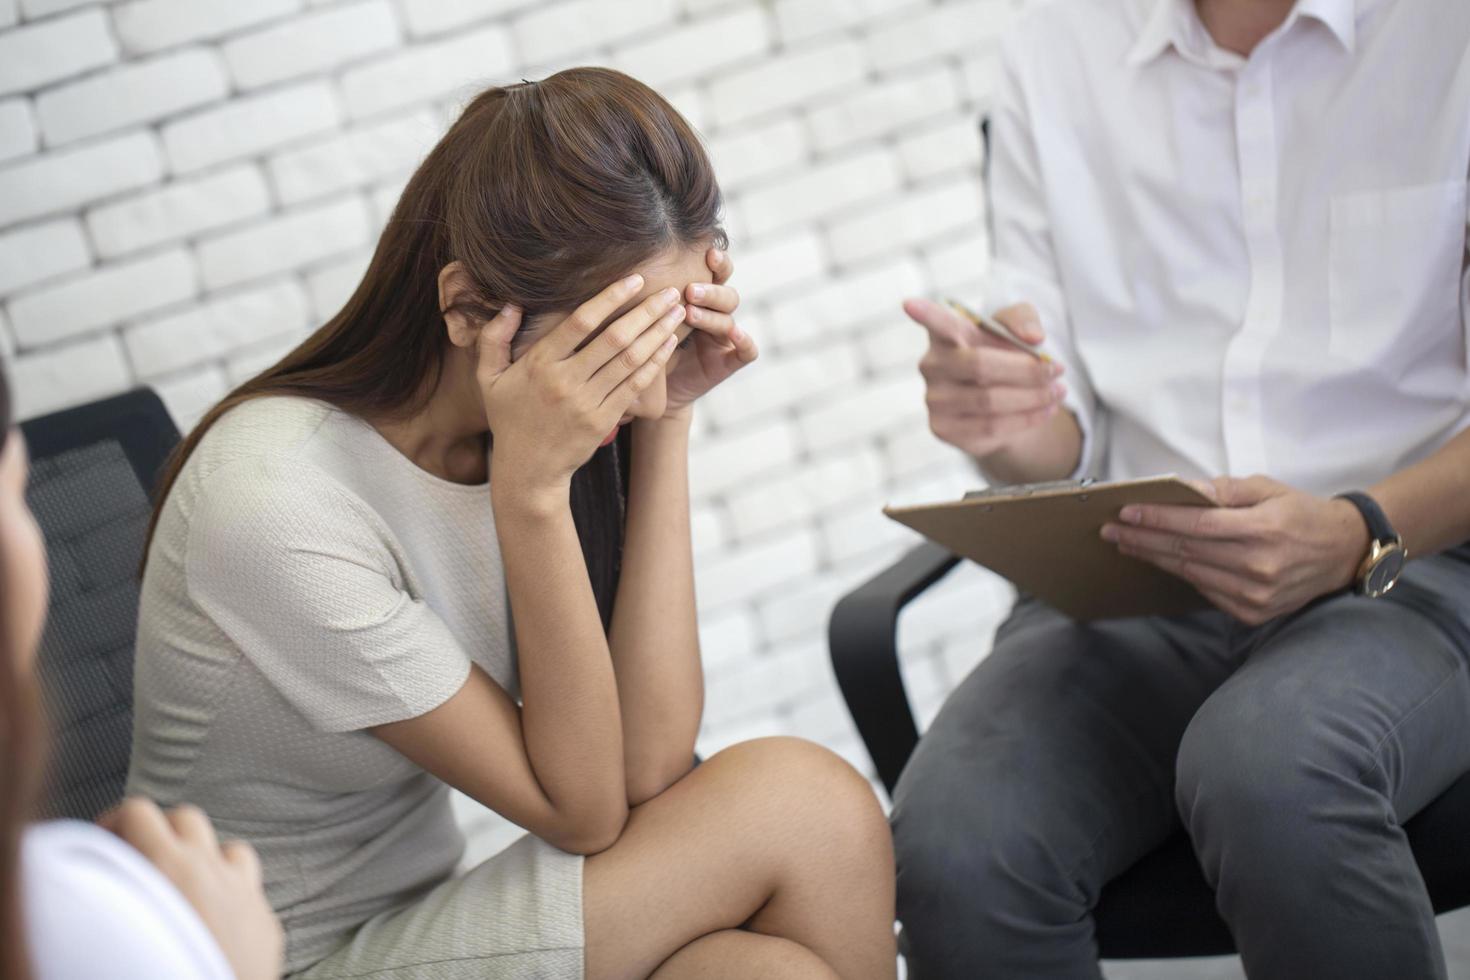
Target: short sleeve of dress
{"points": [[299, 574]]}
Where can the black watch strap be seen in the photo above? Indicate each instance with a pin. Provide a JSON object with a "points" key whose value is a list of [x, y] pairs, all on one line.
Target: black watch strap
{"points": [[1373, 516]]}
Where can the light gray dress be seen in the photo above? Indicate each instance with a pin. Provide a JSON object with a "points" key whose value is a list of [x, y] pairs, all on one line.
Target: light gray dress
{"points": [[307, 581]]}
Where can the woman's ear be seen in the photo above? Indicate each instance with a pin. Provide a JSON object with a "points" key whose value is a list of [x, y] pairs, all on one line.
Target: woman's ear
{"points": [[456, 301]]}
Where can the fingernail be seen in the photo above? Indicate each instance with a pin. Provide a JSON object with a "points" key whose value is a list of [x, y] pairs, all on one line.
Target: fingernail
{"points": [[1056, 369], [697, 291], [633, 281], [693, 312], [1058, 390], [1130, 514], [669, 295], [736, 333], [1109, 533]]}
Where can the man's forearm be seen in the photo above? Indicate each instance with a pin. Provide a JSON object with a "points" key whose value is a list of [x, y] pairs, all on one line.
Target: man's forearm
{"points": [[1429, 503], [1051, 452]]}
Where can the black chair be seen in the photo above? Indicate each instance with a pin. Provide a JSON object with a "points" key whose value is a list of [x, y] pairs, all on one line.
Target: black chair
{"points": [[93, 471], [1161, 907]]}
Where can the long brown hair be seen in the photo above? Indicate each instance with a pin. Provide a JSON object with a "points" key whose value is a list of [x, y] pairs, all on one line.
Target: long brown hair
{"points": [[21, 741], [546, 192]]}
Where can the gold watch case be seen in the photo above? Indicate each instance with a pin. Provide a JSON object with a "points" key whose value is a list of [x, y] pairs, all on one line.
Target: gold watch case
{"points": [[1379, 572]]}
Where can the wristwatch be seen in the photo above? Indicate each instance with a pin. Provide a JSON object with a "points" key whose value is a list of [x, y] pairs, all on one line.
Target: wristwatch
{"points": [[1380, 570]]}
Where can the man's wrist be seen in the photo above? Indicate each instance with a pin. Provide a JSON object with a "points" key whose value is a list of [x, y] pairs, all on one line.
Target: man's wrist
{"points": [[1354, 540]]}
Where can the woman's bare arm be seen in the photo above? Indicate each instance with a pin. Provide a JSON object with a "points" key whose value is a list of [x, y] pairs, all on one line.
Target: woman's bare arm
{"points": [[654, 635]]}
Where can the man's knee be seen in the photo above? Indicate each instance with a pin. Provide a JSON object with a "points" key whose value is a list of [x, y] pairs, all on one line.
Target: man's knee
{"points": [[970, 852], [1258, 767]]}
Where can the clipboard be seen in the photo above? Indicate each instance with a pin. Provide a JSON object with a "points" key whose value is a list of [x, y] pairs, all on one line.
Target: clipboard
{"points": [[1044, 537]]}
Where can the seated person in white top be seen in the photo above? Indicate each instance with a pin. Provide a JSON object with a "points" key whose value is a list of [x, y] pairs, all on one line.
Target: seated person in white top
{"points": [[77, 902], [1240, 227], [445, 543]]}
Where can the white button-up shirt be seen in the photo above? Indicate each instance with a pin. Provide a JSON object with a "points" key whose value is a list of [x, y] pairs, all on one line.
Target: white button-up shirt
{"points": [[1248, 265]]}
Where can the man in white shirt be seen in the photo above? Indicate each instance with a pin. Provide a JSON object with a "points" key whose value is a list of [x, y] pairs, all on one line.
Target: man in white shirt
{"points": [[1240, 228]]}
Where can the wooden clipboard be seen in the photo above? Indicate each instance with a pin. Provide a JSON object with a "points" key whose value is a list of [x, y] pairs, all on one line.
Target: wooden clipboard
{"points": [[1044, 537]]}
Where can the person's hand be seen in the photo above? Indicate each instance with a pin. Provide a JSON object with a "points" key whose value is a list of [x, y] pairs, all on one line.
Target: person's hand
{"points": [[717, 348], [222, 883], [1266, 551], [551, 408], [981, 393]]}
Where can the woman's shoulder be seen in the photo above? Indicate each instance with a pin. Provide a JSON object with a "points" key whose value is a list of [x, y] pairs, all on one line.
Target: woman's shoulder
{"points": [[95, 907]]}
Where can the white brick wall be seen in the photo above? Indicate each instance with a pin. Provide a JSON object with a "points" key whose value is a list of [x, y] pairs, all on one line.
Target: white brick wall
{"points": [[187, 186]]}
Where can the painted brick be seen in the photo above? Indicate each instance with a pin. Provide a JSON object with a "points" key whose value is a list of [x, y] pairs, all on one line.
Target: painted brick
{"points": [[132, 94], [918, 217], [880, 405], [189, 396], [462, 65], [861, 535], [699, 48], [881, 109], [959, 266], [102, 298], [893, 346], [864, 295], [820, 191], [36, 9], [952, 28], [707, 530], [951, 146], [332, 285], [733, 459], [151, 25], [805, 493], [249, 362], [356, 157], [36, 253], [425, 17], [294, 239], [17, 129], [785, 382], [313, 43], [553, 31], [71, 178], [759, 683], [50, 380], [791, 79], [179, 210], [756, 568], [250, 125], [727, 639], [51, 50], [226, 323], [777, 266], [908, 454], [750, 152], [982, 75], [802, 20]]}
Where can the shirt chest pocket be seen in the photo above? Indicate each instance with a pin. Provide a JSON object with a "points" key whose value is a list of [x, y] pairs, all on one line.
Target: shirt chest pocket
{"points": [[1396, 263]]}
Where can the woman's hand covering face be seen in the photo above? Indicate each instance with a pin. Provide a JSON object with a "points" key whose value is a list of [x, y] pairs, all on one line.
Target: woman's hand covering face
{"points": [[716, 348]]}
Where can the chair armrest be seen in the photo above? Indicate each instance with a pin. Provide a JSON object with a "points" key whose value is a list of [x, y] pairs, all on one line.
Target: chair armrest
{"points": [[863, 638]]}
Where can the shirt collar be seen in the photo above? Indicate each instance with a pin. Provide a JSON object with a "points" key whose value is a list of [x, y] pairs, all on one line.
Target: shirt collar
{"points": [[1176, 23]]}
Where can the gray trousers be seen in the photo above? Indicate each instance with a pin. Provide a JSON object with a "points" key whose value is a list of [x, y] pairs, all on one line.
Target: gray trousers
{"points": [[1291, 753]]}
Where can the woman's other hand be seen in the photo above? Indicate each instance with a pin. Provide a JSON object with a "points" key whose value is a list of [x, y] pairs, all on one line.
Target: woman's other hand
{"points": [[222, 883], [718, 347], [551, 408]]}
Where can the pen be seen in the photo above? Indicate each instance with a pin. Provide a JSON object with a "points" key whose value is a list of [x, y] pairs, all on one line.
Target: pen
{"points": [[993, 328]]}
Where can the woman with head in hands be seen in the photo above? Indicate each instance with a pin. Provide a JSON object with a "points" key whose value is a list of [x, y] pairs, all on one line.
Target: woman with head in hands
{"points": [[445, 543]]}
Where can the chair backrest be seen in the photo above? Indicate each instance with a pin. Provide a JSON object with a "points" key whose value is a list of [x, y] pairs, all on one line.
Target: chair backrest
{"points": [[93, 471]]}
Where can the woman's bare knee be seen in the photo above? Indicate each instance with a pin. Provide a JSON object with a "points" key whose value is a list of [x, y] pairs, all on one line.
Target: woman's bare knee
{"points": [[810, 787]]}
